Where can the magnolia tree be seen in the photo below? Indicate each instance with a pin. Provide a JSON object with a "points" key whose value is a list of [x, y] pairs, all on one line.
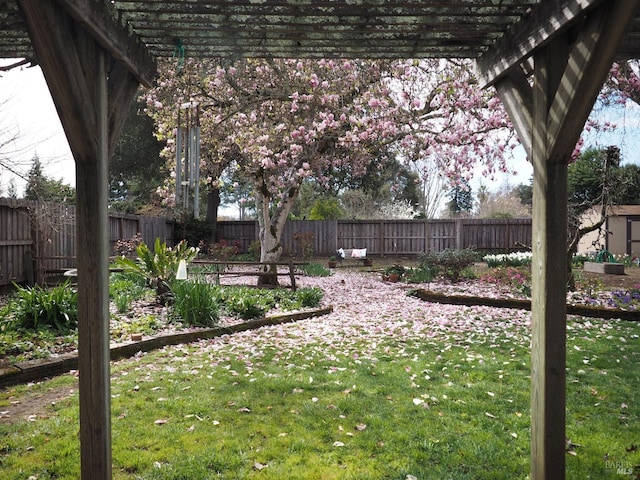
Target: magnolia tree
{"points": [[283, 121]]}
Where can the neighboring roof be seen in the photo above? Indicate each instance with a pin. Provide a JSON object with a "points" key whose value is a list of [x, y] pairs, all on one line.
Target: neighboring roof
{"points": [[316, 28], [624, 210]]}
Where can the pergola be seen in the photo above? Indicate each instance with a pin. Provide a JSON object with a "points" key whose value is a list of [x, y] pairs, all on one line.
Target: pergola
{"points": [[547, 59]]}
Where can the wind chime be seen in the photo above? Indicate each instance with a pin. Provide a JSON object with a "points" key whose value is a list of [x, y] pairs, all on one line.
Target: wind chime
{"points": [[188, 158]]}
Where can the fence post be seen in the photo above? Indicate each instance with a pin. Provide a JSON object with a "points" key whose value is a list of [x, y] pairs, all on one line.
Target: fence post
{"points": [[28, 268], [459, 225]]}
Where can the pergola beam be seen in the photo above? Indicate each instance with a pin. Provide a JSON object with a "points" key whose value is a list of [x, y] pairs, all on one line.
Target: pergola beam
{"points": [[546, 21], [100, 20]]}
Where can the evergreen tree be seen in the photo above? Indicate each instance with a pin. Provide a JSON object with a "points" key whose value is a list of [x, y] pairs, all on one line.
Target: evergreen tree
{"points": [[460, 200], [12, 190], [42, 188], [136, 169]]}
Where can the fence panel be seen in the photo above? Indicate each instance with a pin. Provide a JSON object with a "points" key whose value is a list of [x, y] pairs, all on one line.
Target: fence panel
{"points": [[241, 232], [15, 241], [367, 234], [392, 237], [47, 233], [404, 237], [322, 233], [36, 237], [496, 234], [441, 234]]}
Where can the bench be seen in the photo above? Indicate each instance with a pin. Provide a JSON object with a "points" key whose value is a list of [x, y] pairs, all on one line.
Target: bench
{"points": [[354, 254], [237, 268]]}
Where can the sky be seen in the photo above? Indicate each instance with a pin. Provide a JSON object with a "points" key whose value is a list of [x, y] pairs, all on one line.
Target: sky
{"points": [[27, 111]]}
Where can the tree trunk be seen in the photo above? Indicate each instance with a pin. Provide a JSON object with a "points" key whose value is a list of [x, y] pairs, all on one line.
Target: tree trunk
{"points": [[213, 203], [271, 224]]}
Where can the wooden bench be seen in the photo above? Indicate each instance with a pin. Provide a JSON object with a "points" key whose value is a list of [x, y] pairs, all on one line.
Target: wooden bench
{"points": [[258, 269], [353, 254]]}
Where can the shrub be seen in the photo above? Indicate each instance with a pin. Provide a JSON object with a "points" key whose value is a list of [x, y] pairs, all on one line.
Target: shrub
{"points": [[193, 231], [450, 263], [54, 308], [395, 270], [254, 250], [222, 250], [127, 248], [196, 303]]}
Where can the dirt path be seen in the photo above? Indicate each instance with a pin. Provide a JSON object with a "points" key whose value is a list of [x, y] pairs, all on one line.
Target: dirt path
{"points": [[32, 407]]}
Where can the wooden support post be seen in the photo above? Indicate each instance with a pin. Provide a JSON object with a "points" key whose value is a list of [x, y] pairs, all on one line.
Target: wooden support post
{"points": [[92, 94], [568, 74], [549, 278], [292, 274], [93, 295]]}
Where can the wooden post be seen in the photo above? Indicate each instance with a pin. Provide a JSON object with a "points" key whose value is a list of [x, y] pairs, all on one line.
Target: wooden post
{"points": [[549, 277], [93, 295], [568, 74]]}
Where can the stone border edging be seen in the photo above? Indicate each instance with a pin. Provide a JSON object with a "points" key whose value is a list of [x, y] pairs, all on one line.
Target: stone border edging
{"points": [[39, 369], [580, 310]]}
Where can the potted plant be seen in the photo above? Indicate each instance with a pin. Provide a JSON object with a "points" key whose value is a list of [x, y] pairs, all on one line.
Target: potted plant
{"points": [[333, 261], [393, 272]]}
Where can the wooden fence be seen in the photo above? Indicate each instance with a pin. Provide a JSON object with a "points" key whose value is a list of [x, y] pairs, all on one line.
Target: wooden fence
{"points": [[36, 236], [391, 237]]}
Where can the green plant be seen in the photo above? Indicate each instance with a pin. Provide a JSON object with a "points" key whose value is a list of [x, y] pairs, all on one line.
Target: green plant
{"points": [[196, 303], [254, 250], [517, 279], [145, 324], [450, 263], [222, 250], [158, 266], [513, 259], [315, 269], [124, 288], [122, 301], [193, 231], [247, 306], [37, 307], [420, 274], [395, 270], [309, 296]]}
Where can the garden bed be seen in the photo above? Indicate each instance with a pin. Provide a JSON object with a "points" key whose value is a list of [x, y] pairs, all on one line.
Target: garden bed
{"points": [[385, 386]]}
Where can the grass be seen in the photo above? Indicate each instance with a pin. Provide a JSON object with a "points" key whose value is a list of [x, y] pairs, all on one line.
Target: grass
{"points": [[388, 399]]}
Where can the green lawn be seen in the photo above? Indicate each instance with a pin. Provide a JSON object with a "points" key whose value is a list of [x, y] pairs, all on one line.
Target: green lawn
{"points": [[434, 394]]}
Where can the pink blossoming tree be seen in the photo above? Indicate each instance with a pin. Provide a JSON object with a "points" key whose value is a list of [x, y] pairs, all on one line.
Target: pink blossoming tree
{"points": [[282, 121]]}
